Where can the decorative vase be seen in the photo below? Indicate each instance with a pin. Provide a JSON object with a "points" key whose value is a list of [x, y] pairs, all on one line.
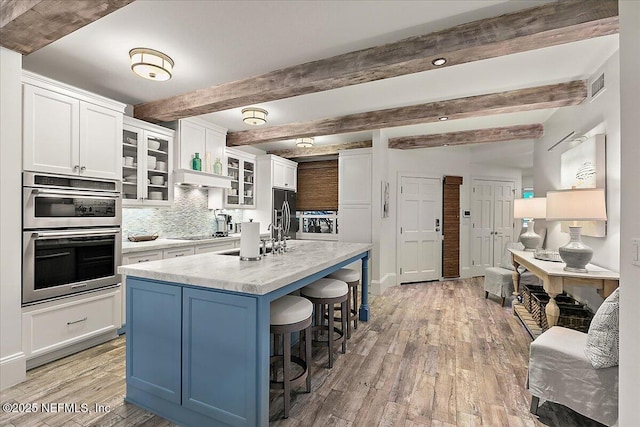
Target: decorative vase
{"points": [[196, 164], [217, 166]]}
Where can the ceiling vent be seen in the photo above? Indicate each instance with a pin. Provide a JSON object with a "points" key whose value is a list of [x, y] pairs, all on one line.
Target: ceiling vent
{"points": [[597, 87]]}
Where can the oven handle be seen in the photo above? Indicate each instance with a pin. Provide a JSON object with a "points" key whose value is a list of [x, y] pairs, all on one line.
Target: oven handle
{"points": [[75, 193], [40, 235]]}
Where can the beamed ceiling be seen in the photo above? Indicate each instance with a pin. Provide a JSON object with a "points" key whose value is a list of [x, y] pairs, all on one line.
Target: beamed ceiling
{"points": [[335, 71]]}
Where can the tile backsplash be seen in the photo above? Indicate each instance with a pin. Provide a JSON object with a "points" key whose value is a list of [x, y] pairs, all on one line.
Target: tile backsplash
{"points": [[188, 216]]}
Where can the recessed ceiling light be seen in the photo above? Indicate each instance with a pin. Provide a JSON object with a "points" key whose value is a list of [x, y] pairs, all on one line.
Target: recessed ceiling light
{"points": [[151, 64], [438, 62], [304, 142], [443, 118], [254, 116], [445, 145]]}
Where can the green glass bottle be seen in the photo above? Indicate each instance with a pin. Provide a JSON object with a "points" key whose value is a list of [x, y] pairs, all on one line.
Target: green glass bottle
{"points": [[217, 166], [196, 164]]}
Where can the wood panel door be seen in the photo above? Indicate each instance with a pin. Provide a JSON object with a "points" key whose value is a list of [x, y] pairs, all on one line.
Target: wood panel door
{"points": [[451, 226], [491, 222], [420, 249]]}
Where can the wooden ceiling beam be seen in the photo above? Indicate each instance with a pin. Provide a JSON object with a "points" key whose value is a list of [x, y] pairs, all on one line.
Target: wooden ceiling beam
{"points": [[28, 25], [319, 150], [536, 98], [547, 25], [477, 136]]}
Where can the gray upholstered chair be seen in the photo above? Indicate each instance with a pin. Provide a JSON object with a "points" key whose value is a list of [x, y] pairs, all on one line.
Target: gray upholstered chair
{"points": [[560, 372], [499, 280], [579, 370]]}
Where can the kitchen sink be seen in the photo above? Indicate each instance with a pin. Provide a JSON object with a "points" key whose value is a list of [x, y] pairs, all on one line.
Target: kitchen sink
{"points": [[237, 252]]}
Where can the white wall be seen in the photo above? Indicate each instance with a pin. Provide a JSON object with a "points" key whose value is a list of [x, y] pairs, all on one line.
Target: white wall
{"points": [[12, 359], [630, 206], [603, 114], [433, 162]]}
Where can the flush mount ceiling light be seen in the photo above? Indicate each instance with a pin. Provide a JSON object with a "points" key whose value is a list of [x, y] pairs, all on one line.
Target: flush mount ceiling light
{"points": [[151, 64], [254, 116], [438, 62], [443, 118], [304, 142]]}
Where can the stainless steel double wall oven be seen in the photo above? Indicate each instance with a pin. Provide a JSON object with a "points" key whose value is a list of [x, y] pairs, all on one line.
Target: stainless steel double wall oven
{"points": [[71, 239]]}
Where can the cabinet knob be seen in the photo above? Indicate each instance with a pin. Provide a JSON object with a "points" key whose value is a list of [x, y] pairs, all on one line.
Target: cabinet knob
{"points": [[83, 168], [76, 167]]}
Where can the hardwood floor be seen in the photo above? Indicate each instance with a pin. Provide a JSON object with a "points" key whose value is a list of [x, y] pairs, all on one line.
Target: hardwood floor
{"points": [[434, 354]]}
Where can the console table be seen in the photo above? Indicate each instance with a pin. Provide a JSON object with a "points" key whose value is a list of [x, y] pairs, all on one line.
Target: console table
{"points": [[554, 277]]}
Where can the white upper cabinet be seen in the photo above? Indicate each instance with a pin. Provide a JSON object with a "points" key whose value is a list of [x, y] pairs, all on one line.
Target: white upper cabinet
{"points": [[70, 131], [147, 150], [354, 177], [199, 136], [284, 173], [99, 128], [241, 168]]}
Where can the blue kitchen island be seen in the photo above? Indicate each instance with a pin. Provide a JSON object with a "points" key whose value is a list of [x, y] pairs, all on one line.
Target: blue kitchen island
{"points": [[198, 329]]}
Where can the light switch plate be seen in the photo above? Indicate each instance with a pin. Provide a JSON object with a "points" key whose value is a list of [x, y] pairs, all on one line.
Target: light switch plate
{"points": [[635, 251]]}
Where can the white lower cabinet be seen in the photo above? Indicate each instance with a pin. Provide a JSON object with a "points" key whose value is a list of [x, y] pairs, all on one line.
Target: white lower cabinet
{"points": [[214, 247], [178, 252], [51, 326], [145, 256]]}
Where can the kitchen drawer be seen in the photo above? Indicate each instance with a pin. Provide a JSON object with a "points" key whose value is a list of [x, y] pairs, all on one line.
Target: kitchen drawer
{"points": [[178, 252], [214, 247], [58, 325], [136, 257]]}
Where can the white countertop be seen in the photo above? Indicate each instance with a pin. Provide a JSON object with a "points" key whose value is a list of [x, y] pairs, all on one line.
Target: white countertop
{"points": [[304, 258]]}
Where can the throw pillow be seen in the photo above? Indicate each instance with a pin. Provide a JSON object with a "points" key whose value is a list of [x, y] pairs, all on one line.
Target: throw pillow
{"points": [[604, 334]]}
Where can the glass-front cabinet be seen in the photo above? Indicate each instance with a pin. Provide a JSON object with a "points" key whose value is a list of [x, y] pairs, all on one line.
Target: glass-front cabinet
{"points": [[147, 158], [241, 168]]}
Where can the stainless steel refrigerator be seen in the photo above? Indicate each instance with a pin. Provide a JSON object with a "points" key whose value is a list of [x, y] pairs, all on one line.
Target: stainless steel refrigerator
{"points": [[284, 211]]}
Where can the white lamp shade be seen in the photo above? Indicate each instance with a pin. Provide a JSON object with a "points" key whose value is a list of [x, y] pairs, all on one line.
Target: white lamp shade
{"points": [[535, 207], [586, 204]]}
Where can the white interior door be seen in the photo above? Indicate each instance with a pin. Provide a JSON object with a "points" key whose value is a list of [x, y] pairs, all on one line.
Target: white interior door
{"points": [[420, 248], [502, 218], [482, 207], [492, 222]]}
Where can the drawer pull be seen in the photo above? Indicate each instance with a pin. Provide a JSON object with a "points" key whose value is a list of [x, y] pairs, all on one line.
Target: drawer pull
{"points": [[76, 321], [81, 285], [143, 260], [177, 255]]}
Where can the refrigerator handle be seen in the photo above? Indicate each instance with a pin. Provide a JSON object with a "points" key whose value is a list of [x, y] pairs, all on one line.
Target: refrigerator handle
{"points": [[286, 217]]}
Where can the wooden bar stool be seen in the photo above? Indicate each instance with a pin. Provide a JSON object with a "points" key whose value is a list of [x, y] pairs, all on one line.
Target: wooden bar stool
{"points": [[290, 314], [328, 292], [352, 279]]}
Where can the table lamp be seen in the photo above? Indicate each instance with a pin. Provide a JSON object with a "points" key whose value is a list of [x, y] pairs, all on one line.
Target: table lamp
{"points": [[586, 204], [531, 208]]}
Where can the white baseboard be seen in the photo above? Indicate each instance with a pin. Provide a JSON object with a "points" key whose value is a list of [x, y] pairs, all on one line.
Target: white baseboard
{"points": [[378, 287], [13, 370], [465, 273], [71, 349]]}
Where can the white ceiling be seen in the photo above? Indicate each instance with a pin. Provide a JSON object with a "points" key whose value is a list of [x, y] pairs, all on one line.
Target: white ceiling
{"points": [[213, 42]]}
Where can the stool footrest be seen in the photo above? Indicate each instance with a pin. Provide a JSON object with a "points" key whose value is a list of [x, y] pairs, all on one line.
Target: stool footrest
{"points": [[279, 385]]}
